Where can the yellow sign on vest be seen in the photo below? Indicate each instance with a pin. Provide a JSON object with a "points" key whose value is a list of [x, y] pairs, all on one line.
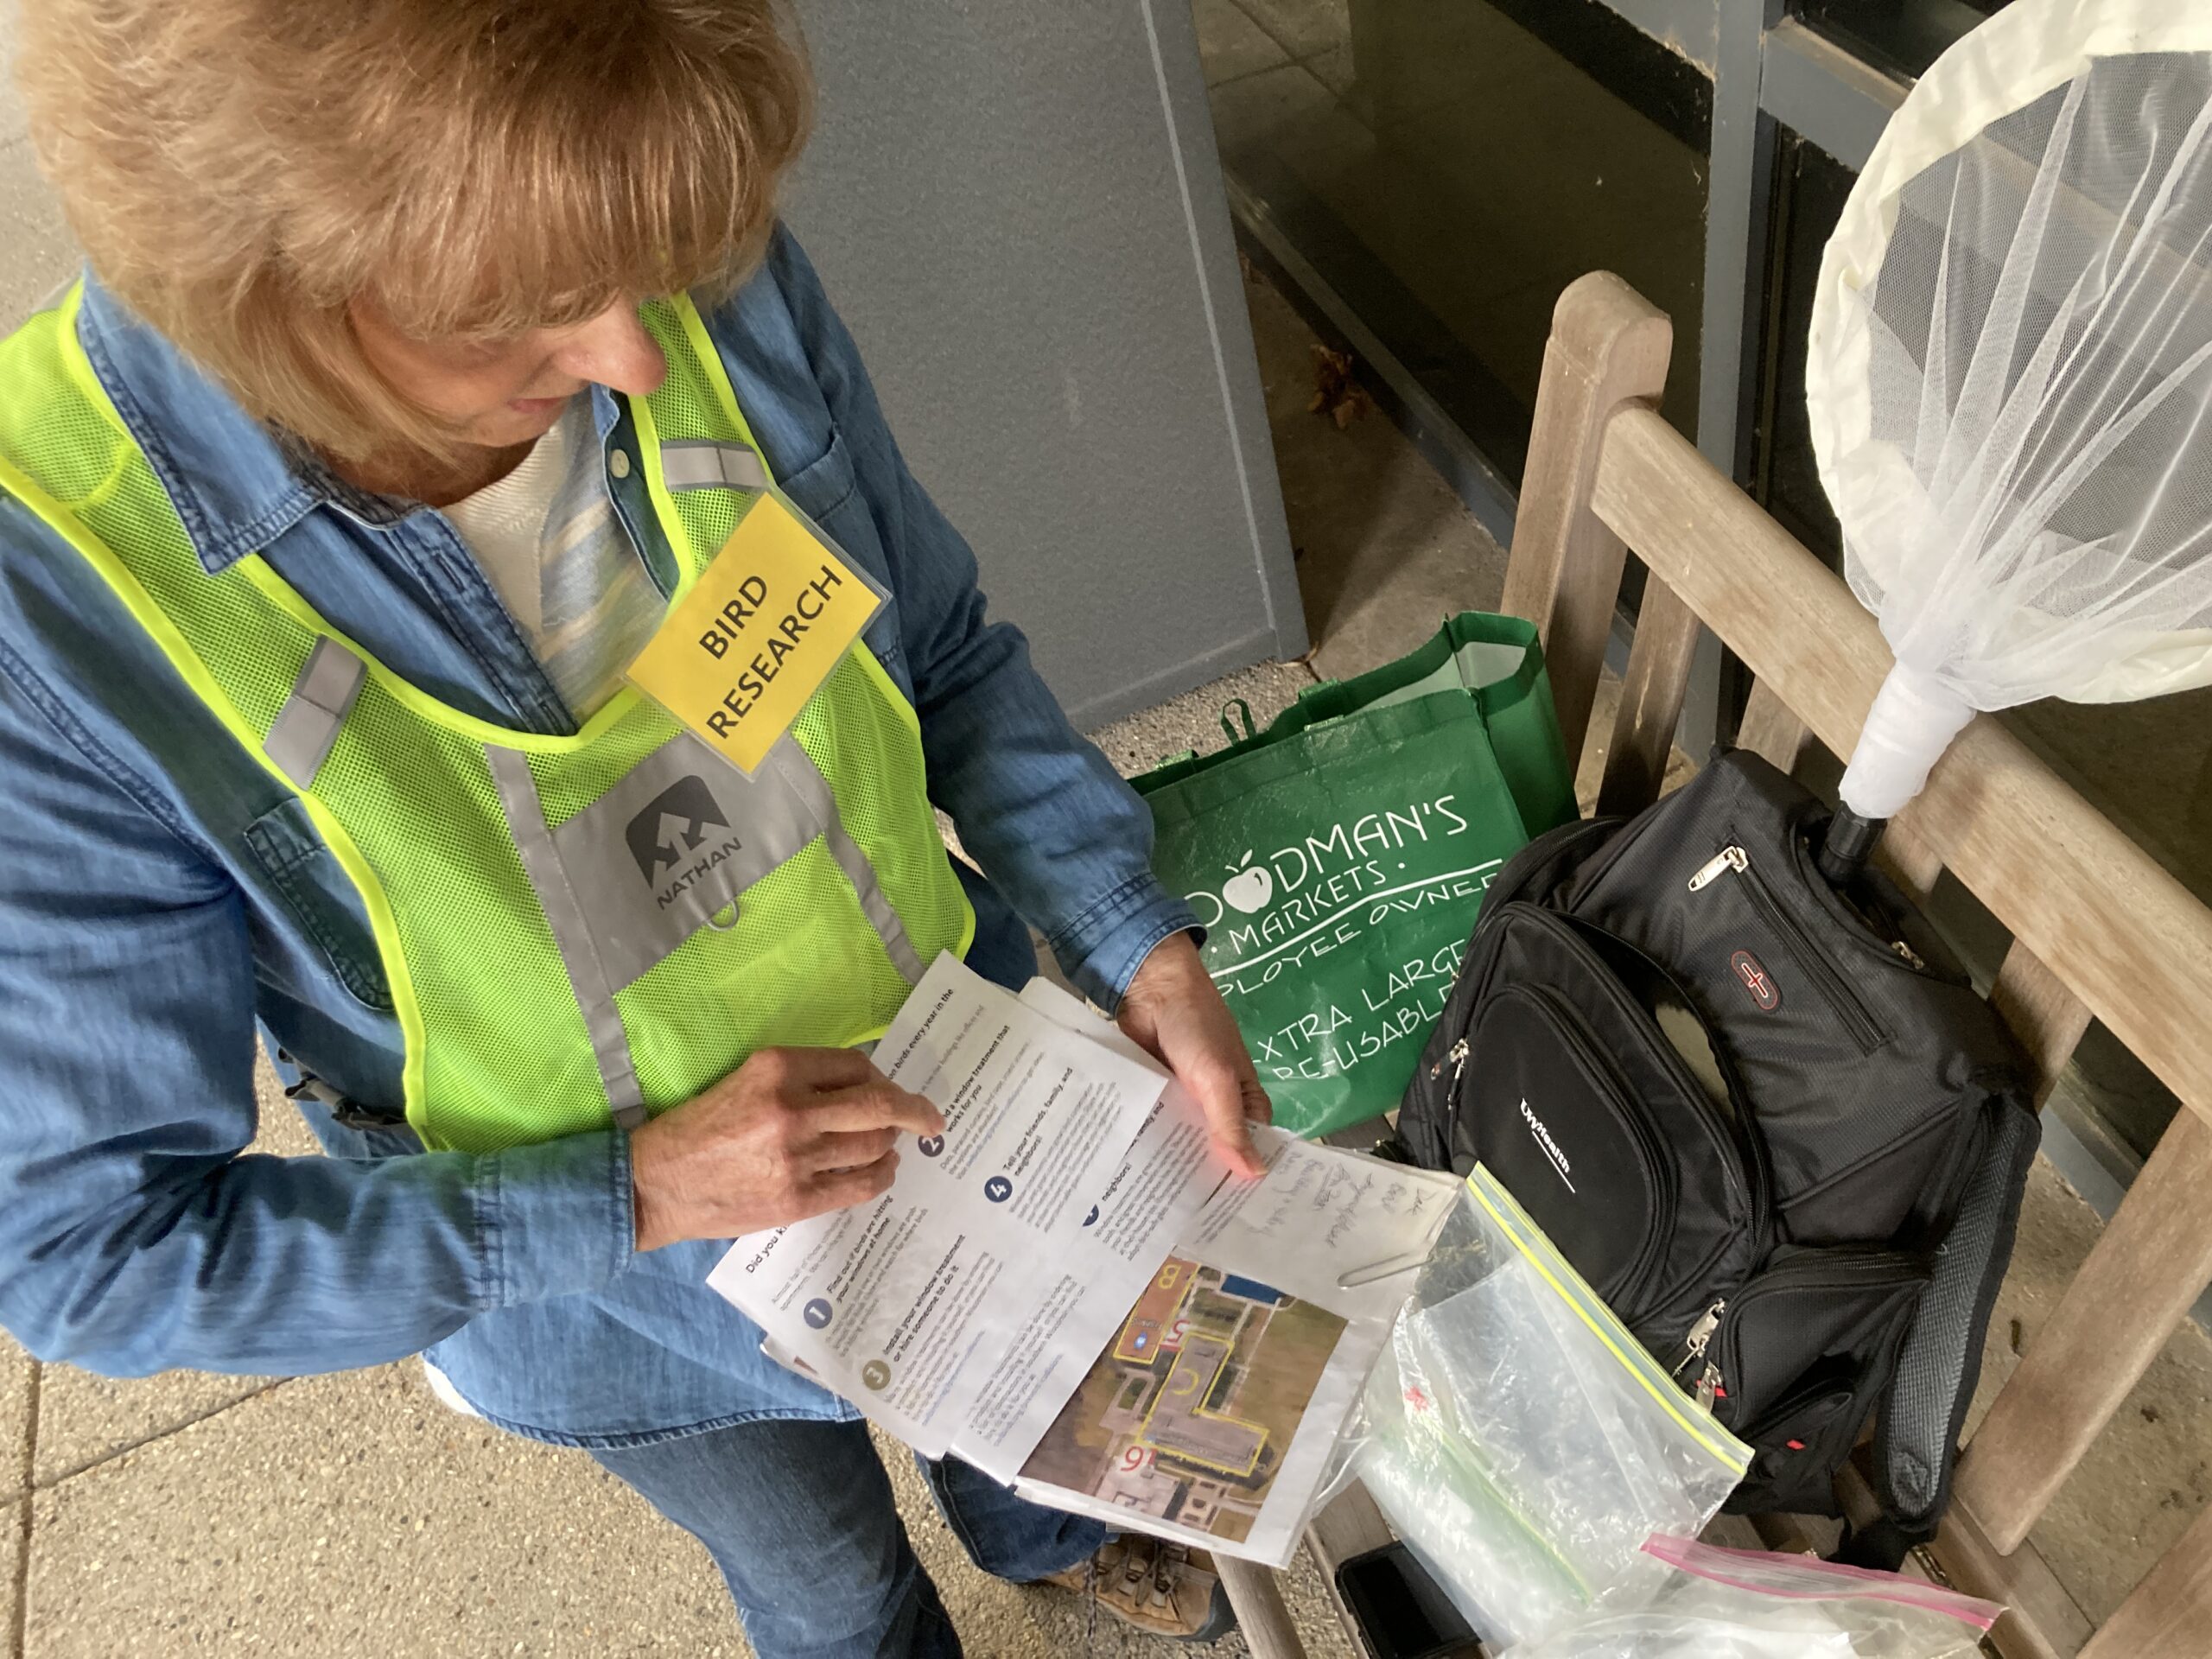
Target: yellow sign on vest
{"points": [[739, 655]]}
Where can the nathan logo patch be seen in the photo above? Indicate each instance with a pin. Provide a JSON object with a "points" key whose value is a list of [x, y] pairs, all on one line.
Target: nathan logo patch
{"points": [[676, 830], [656, 858], [1755, 980]]}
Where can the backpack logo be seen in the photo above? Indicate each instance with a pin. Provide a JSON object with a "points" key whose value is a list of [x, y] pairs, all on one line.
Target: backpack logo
{"points": [[671, 833], [1755, 980], [1543, 1139]]}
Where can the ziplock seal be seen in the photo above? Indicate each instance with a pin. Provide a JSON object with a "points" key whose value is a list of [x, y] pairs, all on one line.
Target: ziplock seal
{"points": [[1705, 1561], [1724, 1448]]}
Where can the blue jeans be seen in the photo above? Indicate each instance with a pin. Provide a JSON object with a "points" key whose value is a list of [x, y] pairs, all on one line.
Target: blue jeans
{"points": [[798, 1513]]}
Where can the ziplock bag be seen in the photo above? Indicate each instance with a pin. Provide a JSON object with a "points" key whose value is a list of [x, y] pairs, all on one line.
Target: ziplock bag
{"points": [[1338, 858], [1521, 1441], [1734, 1604]]}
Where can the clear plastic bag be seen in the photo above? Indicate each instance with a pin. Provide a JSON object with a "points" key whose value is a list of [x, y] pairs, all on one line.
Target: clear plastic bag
{"points": [[1730, 1603], [1520, 1440]]}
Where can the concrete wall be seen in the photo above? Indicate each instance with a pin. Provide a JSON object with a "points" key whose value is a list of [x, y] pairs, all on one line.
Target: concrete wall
{"points": [[1018, 209]]}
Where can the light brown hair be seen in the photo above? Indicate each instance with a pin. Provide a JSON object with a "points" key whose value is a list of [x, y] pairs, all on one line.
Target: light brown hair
{"points": [[240, 171]]}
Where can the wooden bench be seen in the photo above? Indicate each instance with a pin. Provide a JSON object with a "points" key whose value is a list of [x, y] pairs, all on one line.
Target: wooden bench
{"points": [[2098, 929]]}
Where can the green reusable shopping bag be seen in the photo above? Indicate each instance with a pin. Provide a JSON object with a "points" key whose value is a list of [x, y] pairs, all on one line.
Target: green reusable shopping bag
{"points": [[1339, 857]]}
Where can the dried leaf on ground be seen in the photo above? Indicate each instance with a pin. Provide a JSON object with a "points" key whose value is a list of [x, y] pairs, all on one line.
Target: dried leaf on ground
{"points": [[1337, 391]]}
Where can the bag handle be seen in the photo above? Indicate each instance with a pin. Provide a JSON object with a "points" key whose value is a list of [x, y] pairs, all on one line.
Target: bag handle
{"points": [[1245, 710]]}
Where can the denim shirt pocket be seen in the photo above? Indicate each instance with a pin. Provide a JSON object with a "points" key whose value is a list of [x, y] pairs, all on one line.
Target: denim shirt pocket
{"points": [[827, 490], [313, 887]]}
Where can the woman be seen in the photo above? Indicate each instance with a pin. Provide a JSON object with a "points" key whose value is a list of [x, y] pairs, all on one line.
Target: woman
{"points": [[426, 350]]}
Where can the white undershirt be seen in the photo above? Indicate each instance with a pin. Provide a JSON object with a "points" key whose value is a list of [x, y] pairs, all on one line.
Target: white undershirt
{"points": [[547, 539]]}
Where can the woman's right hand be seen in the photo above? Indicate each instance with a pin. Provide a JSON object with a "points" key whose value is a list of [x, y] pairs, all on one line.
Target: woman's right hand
{"points": [[791, 1132]]}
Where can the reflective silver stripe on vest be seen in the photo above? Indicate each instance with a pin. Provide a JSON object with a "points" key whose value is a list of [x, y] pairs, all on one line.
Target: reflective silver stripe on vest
{"points": [[610, 1042], [701, 464], [673, 845], [307, 725], [581, 871], [796, 766]]}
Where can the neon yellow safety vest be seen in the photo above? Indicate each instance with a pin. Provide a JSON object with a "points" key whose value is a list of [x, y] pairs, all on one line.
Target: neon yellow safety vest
{"points": [[576, 930]]}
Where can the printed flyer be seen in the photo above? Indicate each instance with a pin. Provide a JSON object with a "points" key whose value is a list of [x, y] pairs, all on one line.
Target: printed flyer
{"points": [[1067, 1291]]}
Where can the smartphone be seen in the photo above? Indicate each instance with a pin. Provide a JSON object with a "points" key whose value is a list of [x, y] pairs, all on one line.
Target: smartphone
{"points": [[1400, 1612]]}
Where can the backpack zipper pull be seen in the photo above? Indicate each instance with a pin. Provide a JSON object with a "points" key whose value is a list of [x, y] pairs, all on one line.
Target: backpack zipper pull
{"points": [[1910, 956], [1701, 1334], [1458, 1055], [1728, 858], [1708, 1385]]}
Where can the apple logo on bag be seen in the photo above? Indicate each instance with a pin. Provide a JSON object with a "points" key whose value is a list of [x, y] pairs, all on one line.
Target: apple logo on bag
{"points": [[1249, 885]]}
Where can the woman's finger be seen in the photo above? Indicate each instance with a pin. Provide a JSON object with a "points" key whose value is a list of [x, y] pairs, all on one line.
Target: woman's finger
{"points": [[852, 1149], [841, 1189], [877, 1104], [1220, 1094], [1258, 1108]]}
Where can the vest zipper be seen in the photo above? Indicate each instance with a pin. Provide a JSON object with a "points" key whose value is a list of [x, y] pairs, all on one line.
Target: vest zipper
{"points": [[1864, 1031]]}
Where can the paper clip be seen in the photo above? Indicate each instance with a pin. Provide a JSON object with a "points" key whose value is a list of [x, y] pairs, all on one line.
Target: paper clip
{"points": [[1388, 1267]]}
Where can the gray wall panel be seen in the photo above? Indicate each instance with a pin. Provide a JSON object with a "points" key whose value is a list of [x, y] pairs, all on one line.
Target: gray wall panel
{"points": [[1018, 209]]}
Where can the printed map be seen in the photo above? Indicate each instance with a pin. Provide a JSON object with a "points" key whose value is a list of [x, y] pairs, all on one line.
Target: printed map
{"points": [[1187, 1413]]}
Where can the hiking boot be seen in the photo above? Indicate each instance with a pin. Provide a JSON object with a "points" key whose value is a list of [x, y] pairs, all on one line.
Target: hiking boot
{"points": [[1162, 1588]]}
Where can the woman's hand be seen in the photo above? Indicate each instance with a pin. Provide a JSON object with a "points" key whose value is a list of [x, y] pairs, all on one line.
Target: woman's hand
{"points": [[1173, 1010], [791, 1132]]}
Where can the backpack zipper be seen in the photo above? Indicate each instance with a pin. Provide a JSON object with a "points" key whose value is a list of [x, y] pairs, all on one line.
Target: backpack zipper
{"points": [[1728, 858], [1817, 968], [1697, 1345], [1701, 1335], [1708, 1387], [1458, 1055], [1848, 1269]]}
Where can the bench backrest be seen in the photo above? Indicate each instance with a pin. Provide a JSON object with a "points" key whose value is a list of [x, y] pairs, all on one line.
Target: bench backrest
{"points": [[2099, 928]]}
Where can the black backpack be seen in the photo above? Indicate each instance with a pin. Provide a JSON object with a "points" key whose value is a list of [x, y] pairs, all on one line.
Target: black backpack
{"points": [[1771, 1123]]}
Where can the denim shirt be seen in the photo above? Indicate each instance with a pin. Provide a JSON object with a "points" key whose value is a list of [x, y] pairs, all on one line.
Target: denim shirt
{"points": [[160, 893]]}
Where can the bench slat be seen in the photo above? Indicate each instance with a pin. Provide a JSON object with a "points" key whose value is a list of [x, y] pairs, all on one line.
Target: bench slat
{"points": [[2153, 1261]]}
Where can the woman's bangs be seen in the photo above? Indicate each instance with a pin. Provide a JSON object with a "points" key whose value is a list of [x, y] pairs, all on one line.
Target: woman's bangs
{"points": [[556, 216]]}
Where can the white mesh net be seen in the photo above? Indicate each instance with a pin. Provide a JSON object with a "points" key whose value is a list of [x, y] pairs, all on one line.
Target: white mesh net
{"points": [[2012, 378]]}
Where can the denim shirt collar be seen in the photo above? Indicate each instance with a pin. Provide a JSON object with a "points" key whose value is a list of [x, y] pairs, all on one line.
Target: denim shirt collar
{"points": [[236, 485]]}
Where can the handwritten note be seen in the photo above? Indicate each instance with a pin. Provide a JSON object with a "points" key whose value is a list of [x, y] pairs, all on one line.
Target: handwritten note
{"points": [[1325, 1223]]}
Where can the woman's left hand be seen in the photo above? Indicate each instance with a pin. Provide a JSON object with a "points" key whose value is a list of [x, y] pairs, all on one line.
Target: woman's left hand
{"points": [[1173, 1010]]}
